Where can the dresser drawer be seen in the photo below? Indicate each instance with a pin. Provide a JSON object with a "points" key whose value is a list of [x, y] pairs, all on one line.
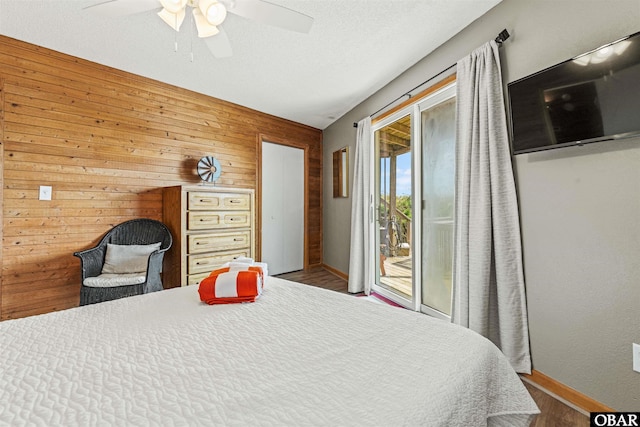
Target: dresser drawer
{"points": [[217, 201], [207, 220], [206, 263], [195, 279], [198, 243]]}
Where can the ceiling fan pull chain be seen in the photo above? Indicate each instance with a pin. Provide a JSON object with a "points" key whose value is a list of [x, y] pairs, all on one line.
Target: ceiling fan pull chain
{"points": [[191, 35], [175, 42]]}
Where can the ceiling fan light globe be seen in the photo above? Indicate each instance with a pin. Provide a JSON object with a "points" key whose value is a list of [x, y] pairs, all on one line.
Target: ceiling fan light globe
{"points": [[205, 29], [214, 11], [216, 14], [173, 6], [174, 20]]}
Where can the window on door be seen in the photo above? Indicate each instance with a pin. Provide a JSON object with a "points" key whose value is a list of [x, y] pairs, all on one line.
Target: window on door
{"points": [[394, 207], [438, 179]]}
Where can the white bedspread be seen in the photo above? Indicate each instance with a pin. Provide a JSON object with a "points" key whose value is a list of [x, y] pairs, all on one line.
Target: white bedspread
{"points": [[298, 356]]}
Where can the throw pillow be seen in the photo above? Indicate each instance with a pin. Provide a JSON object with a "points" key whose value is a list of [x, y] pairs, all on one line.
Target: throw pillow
{"points": [[124, 259]]}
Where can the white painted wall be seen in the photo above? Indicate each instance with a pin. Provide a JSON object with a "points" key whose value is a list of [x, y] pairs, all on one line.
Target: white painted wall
{"points": [[282, 208], [580, 206]]}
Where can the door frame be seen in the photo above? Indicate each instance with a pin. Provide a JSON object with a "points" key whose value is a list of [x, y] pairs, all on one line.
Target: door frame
{"points": [[288, 143]]}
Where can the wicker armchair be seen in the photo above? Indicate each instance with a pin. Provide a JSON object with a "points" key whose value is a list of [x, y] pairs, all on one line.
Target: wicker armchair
{"points": [[134, 232]]}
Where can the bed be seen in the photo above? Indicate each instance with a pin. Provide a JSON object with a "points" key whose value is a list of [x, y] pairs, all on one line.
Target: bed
{"points": [[298, 356]]}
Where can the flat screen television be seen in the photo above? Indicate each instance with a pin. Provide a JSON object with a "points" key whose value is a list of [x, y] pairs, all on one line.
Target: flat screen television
{"points": [[592, 97]]}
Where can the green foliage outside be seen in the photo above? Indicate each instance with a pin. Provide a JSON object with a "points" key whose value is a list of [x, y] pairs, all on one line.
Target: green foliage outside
{"points": [[403, 203]]}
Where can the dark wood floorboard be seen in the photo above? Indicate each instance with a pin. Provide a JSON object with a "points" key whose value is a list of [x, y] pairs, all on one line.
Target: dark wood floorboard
{"points": [[318, 277], [553, 413]]}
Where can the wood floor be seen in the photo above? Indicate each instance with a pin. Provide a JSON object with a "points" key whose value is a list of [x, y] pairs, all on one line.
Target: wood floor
{"points": [[553, 413], [319, 278], [398, 274]]}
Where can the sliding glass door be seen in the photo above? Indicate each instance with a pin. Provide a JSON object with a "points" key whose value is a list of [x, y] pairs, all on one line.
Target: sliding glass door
{"points": [[437, 131], [413, 202], [393, 208]]}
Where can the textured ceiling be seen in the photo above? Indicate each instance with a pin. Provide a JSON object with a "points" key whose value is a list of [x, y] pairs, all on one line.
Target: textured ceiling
{"points": [[354, 48]]}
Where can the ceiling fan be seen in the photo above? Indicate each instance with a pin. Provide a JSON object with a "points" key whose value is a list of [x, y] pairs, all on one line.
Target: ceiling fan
{"points": [[208, 16]]}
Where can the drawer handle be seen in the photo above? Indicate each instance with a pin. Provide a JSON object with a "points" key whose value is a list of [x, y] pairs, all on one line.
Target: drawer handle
{"points": [[238, 240], [206, 200], [234, 201]]}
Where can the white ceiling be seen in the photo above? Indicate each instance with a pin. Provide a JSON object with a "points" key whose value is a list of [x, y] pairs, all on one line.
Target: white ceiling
{"points": [[354, 48]]}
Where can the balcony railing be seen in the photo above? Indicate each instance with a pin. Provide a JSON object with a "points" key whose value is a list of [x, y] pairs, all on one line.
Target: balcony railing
{"points": [[395, 230]]}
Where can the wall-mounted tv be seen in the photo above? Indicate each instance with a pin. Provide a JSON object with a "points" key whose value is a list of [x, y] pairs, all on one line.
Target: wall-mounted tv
{"points": [[592, 97]]}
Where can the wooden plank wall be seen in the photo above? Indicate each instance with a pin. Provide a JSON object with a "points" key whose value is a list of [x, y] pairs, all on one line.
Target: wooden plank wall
{"points": [[107, 141]]}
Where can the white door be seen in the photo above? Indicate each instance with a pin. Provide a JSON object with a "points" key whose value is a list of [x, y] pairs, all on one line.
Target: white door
{"points": [[282, 208]]}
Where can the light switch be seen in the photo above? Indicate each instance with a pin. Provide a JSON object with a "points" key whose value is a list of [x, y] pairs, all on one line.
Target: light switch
{"points": [[45, 192]]}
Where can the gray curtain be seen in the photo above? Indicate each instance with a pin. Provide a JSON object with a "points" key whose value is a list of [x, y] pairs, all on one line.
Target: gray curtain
{"points": [[361, 205], [488, 288]]}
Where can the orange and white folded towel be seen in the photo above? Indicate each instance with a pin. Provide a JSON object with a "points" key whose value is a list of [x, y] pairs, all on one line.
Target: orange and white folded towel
{"points": [[224, 286], [241, 262], [240, 267], [244, 260]]}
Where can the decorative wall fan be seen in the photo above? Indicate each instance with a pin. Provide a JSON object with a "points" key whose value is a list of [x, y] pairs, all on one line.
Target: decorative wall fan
{"points": [[208, 15], [209, 169]]}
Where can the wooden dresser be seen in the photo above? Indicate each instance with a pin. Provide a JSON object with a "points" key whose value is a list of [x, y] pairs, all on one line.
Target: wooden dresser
{"points": [[210, 226]]}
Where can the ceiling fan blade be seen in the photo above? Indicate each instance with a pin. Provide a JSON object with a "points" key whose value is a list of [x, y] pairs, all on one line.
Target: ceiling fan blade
{"points": [[272, 14], [116, 8], [219, 44]]}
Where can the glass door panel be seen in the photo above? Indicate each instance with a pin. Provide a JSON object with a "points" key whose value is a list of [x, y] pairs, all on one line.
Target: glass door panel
{"points": [[438, 178], [393, 204]]}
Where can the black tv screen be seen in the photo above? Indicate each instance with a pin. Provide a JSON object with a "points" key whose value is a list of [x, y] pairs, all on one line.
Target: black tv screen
{"points": [[592, 97]]}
